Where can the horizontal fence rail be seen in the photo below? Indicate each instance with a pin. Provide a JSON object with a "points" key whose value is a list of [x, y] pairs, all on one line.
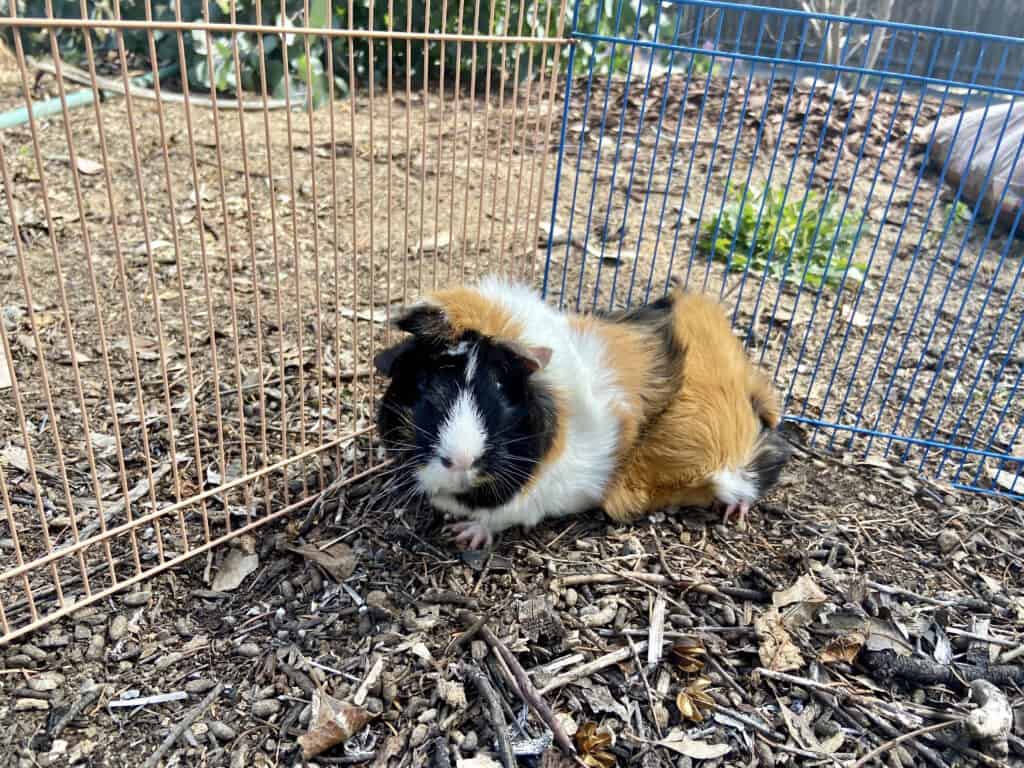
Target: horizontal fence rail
{"points": [[201, 261], [732, 148]]}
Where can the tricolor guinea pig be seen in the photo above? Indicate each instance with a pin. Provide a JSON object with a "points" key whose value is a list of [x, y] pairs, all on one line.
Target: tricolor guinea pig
{"points": [[507, 412]]}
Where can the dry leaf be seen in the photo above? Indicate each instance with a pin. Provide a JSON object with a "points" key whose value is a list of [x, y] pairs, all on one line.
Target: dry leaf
{"points": [[688, 655], [679, 742], [236, 566], [331, 722], [88, 167], [693, 702], [593, 746], [804, 590], [843, 648], [777, 650], [337, 560]]}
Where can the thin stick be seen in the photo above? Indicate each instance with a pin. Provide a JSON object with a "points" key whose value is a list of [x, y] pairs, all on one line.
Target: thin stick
{"points": [[88, 694], [526, 689], [583, 670], [181, 727], [900, 739], [498, 722]]}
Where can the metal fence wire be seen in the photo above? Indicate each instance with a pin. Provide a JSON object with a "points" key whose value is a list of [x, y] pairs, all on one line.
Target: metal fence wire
{"points": [[193, 284]]}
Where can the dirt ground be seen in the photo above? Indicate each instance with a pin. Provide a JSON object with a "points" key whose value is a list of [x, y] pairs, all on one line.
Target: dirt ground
{"points": [[239, 307]]}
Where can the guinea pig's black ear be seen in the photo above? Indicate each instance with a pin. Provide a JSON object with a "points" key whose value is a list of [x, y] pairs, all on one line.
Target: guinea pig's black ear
{"points": [[423, 318], [386, 360], [534, 358]]}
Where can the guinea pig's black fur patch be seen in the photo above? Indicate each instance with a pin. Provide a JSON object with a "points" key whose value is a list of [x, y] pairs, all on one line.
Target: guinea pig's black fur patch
{"points": [[518, 410]]}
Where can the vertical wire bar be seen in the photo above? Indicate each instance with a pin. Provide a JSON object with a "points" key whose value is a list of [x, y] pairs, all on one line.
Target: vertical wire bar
{"points": [[297, 262], [317, 300], [826, 199], [486, 147], [533, 213], [408, 160], [16, 388], [714, 147], [150, 266], [229, 264], [336, 247], [597, 157], [612, 189], [101, 321], [12, 524], [1010, 399], [681, 118], [440, 161], [953, 272], [455, 153], [283, 384], [874, 249], [693, 153], [44, 377], [899, 301], [469, 150], [372, 369], [653, 163], [193, 392], [254, 266], [502, 69], [356, 389], [931, 270], [860, 226], [390, 197], [423, 150], [513, 131]]}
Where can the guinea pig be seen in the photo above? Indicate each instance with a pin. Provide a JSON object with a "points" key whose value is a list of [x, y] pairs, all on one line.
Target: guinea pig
{"points": [[506, 411]]}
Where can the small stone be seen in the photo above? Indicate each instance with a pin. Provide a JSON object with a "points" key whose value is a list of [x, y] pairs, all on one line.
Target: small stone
{"points": [[249, 650], [680, 620], [137, 599], [19, 661], [266, 708], [60, 521], [728, 615], [29, 705], [373, 705], [427, 716], [469, 743], [199, 687], [571, 597], [948, 540], [168, 660], [82, 633], [34, 652], [222, 731], [377, 599], [118, 627], [535, 560], [419, 735], [96, 648], [58, 748], [48, 681]]}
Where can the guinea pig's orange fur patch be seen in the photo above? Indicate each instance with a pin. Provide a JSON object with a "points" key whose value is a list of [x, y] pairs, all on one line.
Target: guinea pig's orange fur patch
{"points": [[466, 309], [712, 423]]}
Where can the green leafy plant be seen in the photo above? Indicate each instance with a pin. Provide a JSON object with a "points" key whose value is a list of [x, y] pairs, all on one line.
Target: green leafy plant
{"points": [[819, 244]]}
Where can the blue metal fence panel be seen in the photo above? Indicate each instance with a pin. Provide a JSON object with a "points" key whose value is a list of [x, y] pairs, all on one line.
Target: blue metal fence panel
{"points": [[723, 144]]}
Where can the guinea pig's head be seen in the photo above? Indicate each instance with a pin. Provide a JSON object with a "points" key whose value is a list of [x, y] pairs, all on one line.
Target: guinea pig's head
{"points": [[467, 412]]}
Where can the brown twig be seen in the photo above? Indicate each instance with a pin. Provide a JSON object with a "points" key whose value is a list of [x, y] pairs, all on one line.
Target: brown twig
{"points": [[526, 689], [185, 723], [882, 748], [497, 714], [88, 693]]}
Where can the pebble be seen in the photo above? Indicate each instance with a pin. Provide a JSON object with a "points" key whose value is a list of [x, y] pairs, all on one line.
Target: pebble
{"points": [[535, 560], [137, 599], [948, 540], [82, 633], [680, 620], [19, 661], [249, 650], [377, 599], [571, 597], [96, 648], [168, 660], [48, 681], [265, 708], [118, 627], [33, 652], [199, 686], [373, 705], [427, 717], [222, 731], [419, 735], [728, 615], [25, 705], [470, 742], [81, 751]]}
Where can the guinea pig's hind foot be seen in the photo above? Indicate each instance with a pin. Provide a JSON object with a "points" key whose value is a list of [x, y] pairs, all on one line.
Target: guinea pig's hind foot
{"points": [[471, 534], [739, 509]]}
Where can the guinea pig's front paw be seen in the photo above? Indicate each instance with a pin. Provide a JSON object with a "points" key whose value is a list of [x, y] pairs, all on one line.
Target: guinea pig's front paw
{"points": [[471, 534]]}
